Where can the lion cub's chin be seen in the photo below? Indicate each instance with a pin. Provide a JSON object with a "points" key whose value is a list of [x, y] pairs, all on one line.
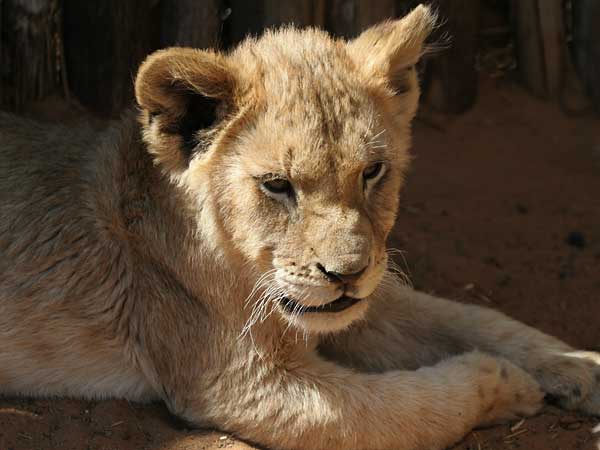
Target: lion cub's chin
{"points": [[326, 322]]}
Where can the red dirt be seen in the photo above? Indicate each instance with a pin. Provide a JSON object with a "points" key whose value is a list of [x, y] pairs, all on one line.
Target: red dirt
{"points": [[489, 204]]}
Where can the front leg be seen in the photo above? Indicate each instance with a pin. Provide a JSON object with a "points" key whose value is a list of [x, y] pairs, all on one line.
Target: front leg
{"points": [[408, 329], [307, 403]]}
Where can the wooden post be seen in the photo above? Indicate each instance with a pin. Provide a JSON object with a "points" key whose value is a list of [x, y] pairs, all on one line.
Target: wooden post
{"points": [[541, 45], [530, 46], [452, 76], [252, 17], [348, 18], [190, 23], [302, 14], [29, 51], [586, 44], [246, 19], [104, 44], [552, 29]]}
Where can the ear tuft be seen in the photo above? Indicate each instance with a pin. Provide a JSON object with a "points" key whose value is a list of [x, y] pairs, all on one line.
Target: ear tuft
{"points": [[386, 49], [183, 94], [394, 44]]}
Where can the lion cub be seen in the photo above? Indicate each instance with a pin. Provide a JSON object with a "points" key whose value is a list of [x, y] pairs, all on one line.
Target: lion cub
{"points": [[227, 255]]}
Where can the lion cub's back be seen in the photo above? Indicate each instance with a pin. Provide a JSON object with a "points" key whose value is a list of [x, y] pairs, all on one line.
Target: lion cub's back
{"points": [[41, 173], [57, 330], [34, 155]]}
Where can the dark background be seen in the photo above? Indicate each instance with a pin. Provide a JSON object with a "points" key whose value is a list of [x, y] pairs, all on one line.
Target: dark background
{"points": [[89, 50]]}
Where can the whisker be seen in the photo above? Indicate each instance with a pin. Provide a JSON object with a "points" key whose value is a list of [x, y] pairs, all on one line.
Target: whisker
{"points": [[260, 282], [266, 285], [395, 268], [374, 138]]}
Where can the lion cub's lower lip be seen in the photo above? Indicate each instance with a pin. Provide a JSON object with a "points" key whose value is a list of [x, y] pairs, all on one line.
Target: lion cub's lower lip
{"points": [[337, 305]]}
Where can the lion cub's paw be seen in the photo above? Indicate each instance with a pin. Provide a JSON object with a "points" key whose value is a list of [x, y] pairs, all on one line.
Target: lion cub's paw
{"points": [[571, 379], [505, 391]]}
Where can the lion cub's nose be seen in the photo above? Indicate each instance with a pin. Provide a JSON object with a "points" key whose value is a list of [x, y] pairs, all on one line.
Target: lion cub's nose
{"points": [[345, 278]]}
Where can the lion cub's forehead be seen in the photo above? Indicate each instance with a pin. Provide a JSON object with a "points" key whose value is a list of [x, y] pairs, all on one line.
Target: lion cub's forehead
{"points": [[303, 73], [316, 113]]}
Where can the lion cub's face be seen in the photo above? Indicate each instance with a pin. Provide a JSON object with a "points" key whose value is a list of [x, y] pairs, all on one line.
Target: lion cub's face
{"points": [[294, 147]]}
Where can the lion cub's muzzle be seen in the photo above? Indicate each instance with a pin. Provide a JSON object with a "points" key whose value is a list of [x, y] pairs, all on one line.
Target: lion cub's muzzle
{"points": [[314, 289], [322, 298], [340, 304]]}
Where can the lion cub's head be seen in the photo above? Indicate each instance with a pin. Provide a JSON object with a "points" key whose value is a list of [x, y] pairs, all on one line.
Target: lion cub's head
{"points": [[293, 147]]}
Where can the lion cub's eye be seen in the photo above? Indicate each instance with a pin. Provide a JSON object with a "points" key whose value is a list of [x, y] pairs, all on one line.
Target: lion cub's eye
{"points": [[373, 171], [278, 186]]}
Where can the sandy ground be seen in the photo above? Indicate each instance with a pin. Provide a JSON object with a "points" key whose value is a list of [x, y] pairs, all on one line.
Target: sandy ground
{"points": [[502, 208]]}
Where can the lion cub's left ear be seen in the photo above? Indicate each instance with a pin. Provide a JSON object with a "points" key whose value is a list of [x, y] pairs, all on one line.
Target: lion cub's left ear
{"points": [[183, 94], [387, 53]]}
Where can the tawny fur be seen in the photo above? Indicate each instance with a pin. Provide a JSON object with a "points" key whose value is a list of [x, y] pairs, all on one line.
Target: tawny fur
{"points": [[147, 263]]}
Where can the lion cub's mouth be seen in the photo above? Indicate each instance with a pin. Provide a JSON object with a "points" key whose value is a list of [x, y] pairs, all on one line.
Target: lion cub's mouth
{"points": [[340, 304]]}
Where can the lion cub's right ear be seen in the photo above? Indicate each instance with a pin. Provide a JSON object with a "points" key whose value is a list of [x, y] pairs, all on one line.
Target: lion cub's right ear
{"points": [[183, 94]]}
